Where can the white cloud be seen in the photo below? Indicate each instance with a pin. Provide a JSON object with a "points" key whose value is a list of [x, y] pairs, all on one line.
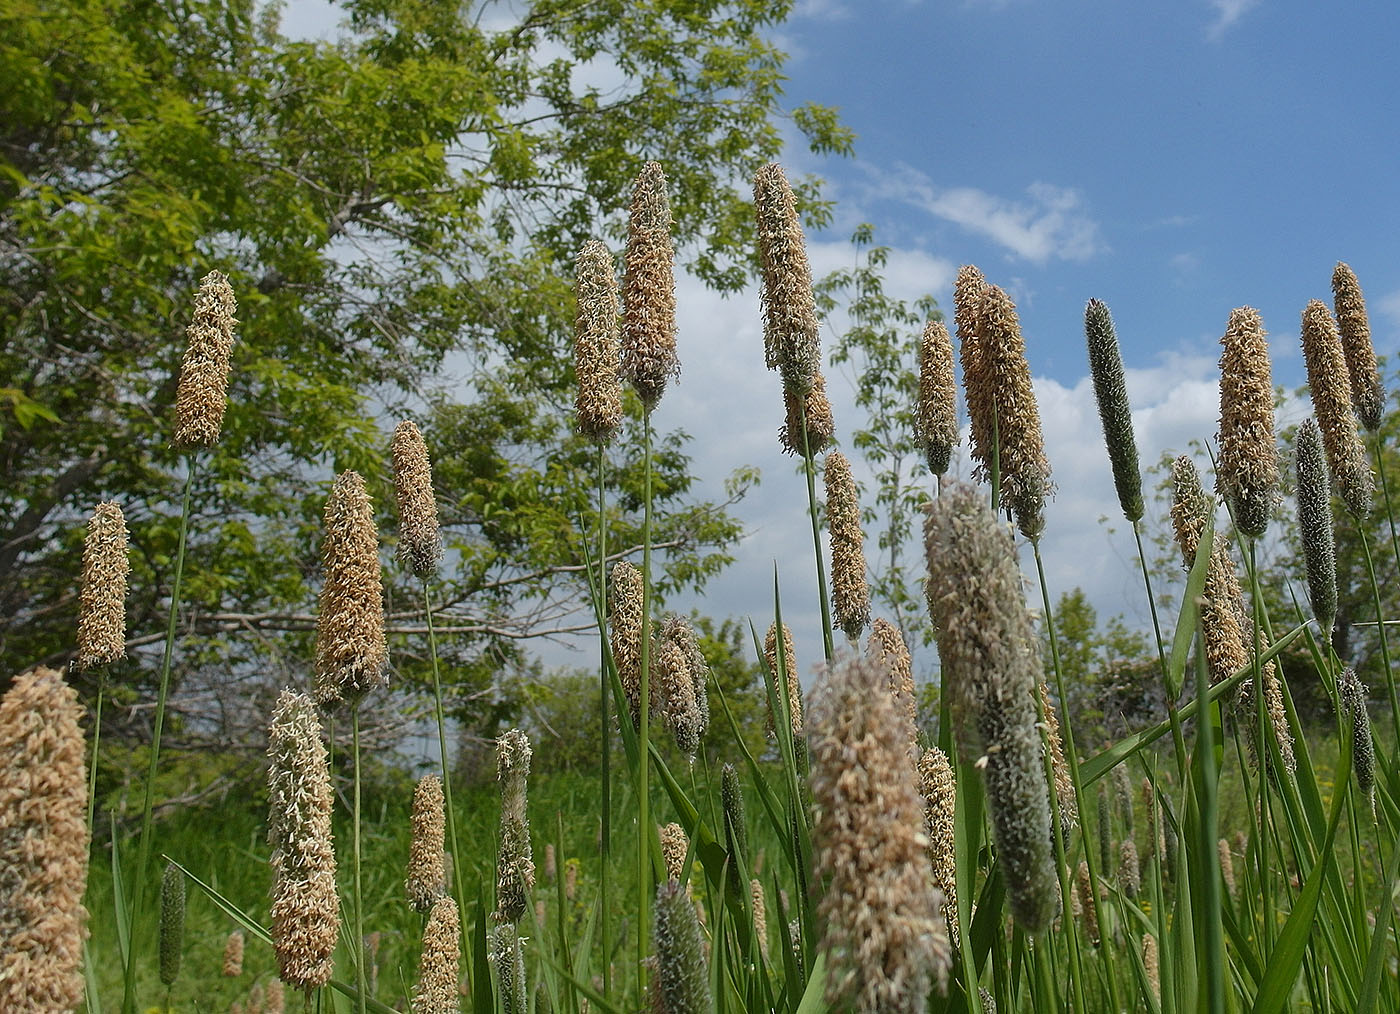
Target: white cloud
{"points": [[1050, 223], [1227, 12]]}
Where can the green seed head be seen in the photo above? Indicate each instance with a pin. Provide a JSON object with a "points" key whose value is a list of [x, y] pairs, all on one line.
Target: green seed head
{"points": [[1111, 391], [597, 347], [682, 972], [172, 923], [1314, 496], [649, 290], [736, 833], [1363, 755], [515, 867]]}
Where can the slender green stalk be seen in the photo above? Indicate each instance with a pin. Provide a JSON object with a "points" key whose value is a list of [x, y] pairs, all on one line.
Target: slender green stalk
{"points": [[138, 884], [810, 468], [1178, 738], [358, 943], [1379, 449], [604, 717], [1380, 631], [1207, 792], [96, 743], [453, 844], [644, 827], [1072, 757]]}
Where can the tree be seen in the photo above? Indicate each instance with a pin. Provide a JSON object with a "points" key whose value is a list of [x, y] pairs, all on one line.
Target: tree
{"points": [[398, 211]]}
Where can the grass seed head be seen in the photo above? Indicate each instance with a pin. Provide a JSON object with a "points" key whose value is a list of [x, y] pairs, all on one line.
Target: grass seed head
{"points": [[1129, 869], [1314, 496], [940, 794], [202, 393], [233, 955], [790, 325], [1111, 392], [991, 665], [1331, 398], [427, 866], [675, 694], [597, 346], [172, 923], [760, 915], [625, 633], [736, 829], [882, 933], [1089, 904], [305, 905], [886, 646], [678, 631], [937, 408], [821, 426], [508, 958], [102, 598], [1005, 390], [1227, 864], [968, 292], [674, 847], [1363, 754], [515, 867], [789, 666], [43, 844], [850, 595], [1067, 805], [1367, 392], [649, 290], [420, 544], [682, 981], [1151, 966], [1191, 507], [1247, 469], [351, 653], [439, 966]]}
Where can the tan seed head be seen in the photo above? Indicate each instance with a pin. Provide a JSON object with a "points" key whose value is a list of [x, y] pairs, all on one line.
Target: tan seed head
{"points": [[420, 544], [1089, 906], [305, 905], [881, 935], [1367, 392], [43, 844], [1064, 785], [790, 322], [821, 426], [886, 645], [440, 963], [515, 867], [674, 847], [968, 292], [649, 290], [102, 599], [597, 346], [1331, 397], [625, 632], [233, 955], [202, 394], [351, 653], [1247, 468], [850, 595], [427, 867], [937, 409], [940, 794], [785, 670]]}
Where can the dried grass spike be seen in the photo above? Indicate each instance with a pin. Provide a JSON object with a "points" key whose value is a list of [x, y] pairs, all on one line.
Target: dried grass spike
{"points": [[351, 653], [1247, 468], [43, 844], [305, 905], [233, 955], [420, 544], [597, 346], [790, 325], [1191, 507], [968, 292], [850, 595], [674, 848], [1111, 393], [649, 290], [102, 598], [440, 963], [940, 794], [882, 936], [427, 866], [1227, 865], [202, 393], [760, 916], [1089, 904], [1367, 392], [1129, 869], [1064, 785], [937, 408], [1331, 398]]}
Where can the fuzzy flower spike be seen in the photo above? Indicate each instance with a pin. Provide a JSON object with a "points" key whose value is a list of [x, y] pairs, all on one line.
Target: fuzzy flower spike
{"points": [[649, 290], [420, 544], [1247, 471], [351, 653], [597, 345], [790, 322], [1367, 392], [1111, 392], [1331, 398], [102, 599], [202, 394], [991, 666]]}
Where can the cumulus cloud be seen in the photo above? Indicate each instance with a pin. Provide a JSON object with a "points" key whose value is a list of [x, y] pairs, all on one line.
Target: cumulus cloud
{"points": [[1049, 223]]}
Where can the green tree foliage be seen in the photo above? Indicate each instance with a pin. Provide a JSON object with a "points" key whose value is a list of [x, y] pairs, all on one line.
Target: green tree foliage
{"points": [[398, 211]]}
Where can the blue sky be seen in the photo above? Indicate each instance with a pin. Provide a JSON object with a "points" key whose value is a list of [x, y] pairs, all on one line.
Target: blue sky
{"points": [[1176, 160]]}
